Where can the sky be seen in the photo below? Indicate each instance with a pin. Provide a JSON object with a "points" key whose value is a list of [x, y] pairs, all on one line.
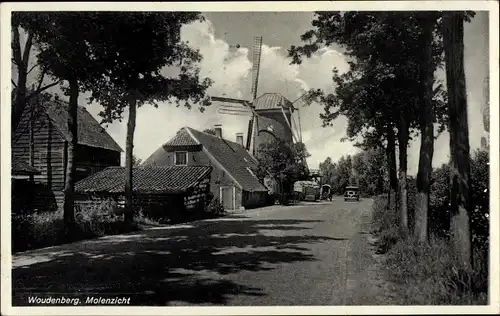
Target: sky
{"points": [[230, 68]]}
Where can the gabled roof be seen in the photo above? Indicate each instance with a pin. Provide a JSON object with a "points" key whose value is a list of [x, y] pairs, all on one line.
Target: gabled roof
{"points": [[182, 138], [21, 168], [270, 101], [90, 132], [230, 155], [169, 179]]}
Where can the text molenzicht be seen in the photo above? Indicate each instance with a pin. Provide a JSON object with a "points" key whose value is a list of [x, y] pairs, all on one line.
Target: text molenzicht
{"points": [[92, 300]]}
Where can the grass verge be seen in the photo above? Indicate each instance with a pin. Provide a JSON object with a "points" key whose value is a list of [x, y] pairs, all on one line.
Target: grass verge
{"points": [[426, 273]]}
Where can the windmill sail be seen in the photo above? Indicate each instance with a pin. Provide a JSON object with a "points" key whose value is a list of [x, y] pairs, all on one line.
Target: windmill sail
{"points": [[257, 50]]}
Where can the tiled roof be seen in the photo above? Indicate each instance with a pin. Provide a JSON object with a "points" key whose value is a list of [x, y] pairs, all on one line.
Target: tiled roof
{"points": [[157, 159], [21, 168], [233, 157], [269, 101], [167, 179], [90, 132], [182, 138]]}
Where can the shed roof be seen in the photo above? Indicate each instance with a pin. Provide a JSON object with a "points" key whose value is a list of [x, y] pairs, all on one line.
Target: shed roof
{"points": [[90, 132], [21, 168], [166, 179]]}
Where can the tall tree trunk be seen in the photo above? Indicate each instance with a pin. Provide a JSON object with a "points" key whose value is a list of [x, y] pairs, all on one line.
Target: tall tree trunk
{"points": [[453, 34], [21, 60], [129, 154], [403, 166], [393, 174], [69, 186], [426, 131], [32, 136]]}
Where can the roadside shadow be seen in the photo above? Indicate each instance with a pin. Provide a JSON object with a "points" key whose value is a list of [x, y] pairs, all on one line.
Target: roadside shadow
{"points": [[160, 266]]}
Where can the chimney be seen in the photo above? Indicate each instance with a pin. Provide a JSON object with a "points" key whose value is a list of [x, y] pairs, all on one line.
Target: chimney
{"points": [[239, 139], [218, 130]]}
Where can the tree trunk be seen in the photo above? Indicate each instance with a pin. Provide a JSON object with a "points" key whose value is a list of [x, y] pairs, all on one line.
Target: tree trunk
{"points": [[426, 132], [403, 166], [393, 175], [32, 137], [69, 186], [129, 155], [21, 60], [453, 34]]}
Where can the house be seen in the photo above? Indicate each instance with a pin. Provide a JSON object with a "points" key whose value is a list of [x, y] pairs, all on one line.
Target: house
{"points": [[96, 149], [168, 192], [232, 180]]}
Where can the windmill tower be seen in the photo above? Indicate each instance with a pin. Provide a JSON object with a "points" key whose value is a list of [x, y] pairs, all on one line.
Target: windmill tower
{"points": [[270, 115]]}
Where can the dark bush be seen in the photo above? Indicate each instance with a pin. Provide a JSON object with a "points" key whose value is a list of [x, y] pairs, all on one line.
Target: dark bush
{"points": [[215, 208]]}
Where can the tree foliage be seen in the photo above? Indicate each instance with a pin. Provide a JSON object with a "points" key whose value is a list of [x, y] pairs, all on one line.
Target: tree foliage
{"points": [[140, 73], [63, 41], [367, 169], [135, 76], [284, 162]]}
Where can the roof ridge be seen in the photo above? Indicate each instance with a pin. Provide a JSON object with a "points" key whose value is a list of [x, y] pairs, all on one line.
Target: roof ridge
{"points": [[215, 136]]}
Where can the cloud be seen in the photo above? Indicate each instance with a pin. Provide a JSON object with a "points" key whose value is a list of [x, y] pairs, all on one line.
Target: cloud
{"points": [[230, 68]]}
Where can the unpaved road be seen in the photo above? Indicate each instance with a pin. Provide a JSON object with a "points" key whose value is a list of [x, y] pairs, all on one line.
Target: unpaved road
{"points": [[312, 254]]}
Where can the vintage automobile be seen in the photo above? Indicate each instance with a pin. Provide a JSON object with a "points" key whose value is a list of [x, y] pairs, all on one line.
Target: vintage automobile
{"points": [[326, 192], [351, 193], [308, 190]]}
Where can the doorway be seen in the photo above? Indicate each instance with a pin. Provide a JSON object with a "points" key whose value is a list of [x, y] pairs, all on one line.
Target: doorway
{"points": [[227, 197]]}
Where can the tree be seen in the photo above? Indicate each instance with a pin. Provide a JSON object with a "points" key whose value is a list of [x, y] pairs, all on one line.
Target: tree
{"points": [[379, 92], [22, 93], [344, 172], [284, 162], [328, 171], [135, 76], [63, 40], [426, 76], [136, 162], [461, 208]]}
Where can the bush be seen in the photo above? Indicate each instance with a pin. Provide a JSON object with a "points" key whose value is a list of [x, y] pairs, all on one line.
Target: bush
{"points": [[36, 230], [144, 220], [429, 274], [383, 218], [215, 208], [44, 229]]}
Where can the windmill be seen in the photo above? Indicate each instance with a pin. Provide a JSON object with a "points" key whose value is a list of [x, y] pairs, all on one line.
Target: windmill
{"points": [[247, 108], [244, 107]]}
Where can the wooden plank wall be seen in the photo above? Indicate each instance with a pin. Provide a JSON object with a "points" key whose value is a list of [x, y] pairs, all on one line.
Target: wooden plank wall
{"points": [[49, 149]]}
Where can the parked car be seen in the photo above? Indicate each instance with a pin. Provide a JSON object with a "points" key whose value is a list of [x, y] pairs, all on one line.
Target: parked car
{"points": [[351, 193]]}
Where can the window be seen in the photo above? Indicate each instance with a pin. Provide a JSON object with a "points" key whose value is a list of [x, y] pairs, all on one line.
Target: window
{"points": [[180, 158]]}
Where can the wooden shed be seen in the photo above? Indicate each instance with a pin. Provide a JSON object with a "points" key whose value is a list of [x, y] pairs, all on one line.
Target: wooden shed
{"points": [[48, 151], [171, 192]]}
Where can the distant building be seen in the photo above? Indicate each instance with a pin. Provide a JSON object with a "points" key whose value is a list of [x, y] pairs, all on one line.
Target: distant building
{"points": [[233, 177], [96, 149], [274, 119]]}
